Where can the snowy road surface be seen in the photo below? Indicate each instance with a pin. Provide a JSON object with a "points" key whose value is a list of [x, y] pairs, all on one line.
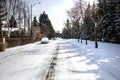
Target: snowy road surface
{"points": [[29, 62], [61, 60]]}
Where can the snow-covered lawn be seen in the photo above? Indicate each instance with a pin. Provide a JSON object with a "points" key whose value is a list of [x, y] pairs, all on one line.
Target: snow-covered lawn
{"points": [[74, 61], [78, 61]]}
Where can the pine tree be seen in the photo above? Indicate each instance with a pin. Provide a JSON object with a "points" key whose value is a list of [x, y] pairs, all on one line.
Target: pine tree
{"points": [[51, 33], [35, 23], [88, 24], [46, 25], [12, 22], [102, 8], [43, 20], [67, 30], [111, 22]]}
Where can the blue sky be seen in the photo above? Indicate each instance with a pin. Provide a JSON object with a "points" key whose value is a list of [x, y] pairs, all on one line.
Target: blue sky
{"points": [[56, 10]]}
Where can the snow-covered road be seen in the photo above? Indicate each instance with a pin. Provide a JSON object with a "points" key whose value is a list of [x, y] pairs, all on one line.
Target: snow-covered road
{"points": [[61, 60], [29, 62]]}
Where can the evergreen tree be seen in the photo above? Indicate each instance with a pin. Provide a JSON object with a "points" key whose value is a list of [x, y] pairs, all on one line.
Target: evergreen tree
{"points": [[51, 33], [102, 8], [88, 24], [58, 34], [46, 25], [96, 19], [12, 22], [35, 23], [64, 33], [67, 30], [43, 20], [111, 22]]}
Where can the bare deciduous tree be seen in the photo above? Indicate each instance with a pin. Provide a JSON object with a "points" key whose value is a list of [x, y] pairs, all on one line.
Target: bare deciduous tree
{"points": [[76, 15]]}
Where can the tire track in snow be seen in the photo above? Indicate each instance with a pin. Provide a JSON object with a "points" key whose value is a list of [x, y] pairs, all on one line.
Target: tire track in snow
{"points": [[64, 65], [51, 72]]}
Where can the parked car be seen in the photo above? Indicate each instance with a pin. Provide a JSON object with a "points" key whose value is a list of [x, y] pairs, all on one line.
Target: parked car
{"points": [[44, 40]]}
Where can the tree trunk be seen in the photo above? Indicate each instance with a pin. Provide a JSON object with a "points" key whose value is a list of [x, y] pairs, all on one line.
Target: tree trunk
{"points": [[1, 32], [0, 28], [86, 41], [81, 40], [96, 42]]}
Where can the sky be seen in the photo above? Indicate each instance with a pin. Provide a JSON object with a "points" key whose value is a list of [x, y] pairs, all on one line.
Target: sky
{"points": [[56, 10]]}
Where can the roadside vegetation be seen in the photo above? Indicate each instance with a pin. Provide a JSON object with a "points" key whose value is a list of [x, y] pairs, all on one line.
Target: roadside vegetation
{"points": [[97, 22], [17, 26]]}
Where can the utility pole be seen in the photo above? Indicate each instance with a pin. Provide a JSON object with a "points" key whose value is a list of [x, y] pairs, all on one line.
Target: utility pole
{"points": [[31, 21], [32, 5]]}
